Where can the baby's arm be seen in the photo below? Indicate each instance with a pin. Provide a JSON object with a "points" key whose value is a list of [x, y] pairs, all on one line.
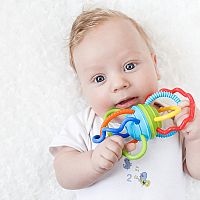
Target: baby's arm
{"points": [[191, 133], [76, 170]]}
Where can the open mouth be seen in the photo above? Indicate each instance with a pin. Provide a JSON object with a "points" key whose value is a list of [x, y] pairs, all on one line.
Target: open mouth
{"points": [[127, 103]]}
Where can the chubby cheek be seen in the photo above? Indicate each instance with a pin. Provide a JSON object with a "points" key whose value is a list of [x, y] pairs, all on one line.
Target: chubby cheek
{"points": [[100, 110], [150, 86], [98, 101], [145, 90], [150, 90], [100, 107]]}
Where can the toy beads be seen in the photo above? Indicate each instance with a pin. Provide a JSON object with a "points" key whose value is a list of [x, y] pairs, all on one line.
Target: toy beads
{"points": [[143, 122]]}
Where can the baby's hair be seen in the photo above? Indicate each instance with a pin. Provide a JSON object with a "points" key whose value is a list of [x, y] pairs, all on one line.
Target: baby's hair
{"points": [[88, 20]]}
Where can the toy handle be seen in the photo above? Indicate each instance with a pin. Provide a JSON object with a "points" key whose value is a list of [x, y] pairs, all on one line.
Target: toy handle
{"points": [[186, 120], [141, 153]]}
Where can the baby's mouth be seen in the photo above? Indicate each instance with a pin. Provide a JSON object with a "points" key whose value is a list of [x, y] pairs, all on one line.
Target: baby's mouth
{"points": [[127, 103]]}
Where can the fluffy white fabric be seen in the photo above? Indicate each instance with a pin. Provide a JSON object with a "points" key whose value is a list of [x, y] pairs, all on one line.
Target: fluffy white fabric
{"points": [[39, 91]]}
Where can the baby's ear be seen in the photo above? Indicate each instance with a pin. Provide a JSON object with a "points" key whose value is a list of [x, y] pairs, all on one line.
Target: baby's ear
{"points": [[154, 58]]}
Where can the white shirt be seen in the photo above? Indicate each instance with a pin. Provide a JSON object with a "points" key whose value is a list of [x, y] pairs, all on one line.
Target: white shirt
{"points": [[158, 175]]}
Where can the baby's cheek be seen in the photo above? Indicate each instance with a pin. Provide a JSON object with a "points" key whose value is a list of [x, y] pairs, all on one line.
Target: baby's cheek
{"points": [[101, 108], [99, 101]]}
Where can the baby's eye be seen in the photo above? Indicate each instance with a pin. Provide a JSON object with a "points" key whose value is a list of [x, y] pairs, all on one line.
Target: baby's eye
{"points": [[129, 66], [99, 79]]}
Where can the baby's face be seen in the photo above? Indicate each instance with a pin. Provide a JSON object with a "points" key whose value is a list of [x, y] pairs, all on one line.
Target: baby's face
{"points": [[115, 66]]}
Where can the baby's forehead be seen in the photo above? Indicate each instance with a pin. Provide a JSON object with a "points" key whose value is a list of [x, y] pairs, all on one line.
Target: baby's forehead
{"points": [[102, 22], [115, 32], [116, 29], [109, 47], [110, 25]]}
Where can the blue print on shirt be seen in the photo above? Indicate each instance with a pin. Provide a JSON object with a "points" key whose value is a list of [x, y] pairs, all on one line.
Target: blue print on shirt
{"points": [[127, 164], [141, 177]]}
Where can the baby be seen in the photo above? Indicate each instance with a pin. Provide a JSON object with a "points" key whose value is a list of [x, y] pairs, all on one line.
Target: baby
{"points": [[117, 67]]}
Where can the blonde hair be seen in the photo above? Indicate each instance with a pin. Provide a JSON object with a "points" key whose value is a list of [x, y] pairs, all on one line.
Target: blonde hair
{"points": [[87, 20]]}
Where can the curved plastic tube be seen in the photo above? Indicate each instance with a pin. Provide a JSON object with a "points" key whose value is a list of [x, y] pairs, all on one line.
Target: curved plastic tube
{"points": [[140, 154], [176, 110]]}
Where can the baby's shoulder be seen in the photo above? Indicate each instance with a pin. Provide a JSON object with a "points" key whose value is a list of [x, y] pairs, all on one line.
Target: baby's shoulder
{"points": [[85, 118]]}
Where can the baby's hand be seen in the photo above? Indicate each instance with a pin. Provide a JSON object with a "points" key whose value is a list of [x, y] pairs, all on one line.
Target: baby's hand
{"points": [[107, 153], [191, 130]]}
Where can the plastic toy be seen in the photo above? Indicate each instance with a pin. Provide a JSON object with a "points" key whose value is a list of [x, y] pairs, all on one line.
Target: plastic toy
{"points": [[143, 122]]}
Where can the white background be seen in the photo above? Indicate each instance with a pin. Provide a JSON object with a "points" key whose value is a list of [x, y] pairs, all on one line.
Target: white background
{"points": [[38, 90]]}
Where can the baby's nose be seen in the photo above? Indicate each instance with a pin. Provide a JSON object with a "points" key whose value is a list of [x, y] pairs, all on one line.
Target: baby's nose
{"points": [[119, 83]]}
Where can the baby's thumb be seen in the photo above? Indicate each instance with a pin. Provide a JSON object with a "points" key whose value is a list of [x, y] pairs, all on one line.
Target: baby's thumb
{"points": [[130, 147]]}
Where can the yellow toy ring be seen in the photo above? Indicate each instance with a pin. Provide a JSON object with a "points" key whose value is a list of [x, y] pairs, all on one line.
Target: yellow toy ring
{"points": [[176, 110]]}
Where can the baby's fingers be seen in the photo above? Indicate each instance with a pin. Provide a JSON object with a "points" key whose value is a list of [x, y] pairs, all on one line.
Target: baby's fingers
{"points": [[115, 145], [119, 140], [181, 116], [111, 155], [184, 103], [130, 147]]}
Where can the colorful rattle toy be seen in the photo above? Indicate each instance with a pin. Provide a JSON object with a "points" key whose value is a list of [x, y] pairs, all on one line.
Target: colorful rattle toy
{"points": [[143, 122]]}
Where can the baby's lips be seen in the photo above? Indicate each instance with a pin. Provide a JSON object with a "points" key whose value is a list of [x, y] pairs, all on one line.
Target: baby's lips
{"points": [[127, 103]]}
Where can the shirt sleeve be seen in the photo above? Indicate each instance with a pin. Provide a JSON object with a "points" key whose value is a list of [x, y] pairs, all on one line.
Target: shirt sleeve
{"points": [[75, 134]]}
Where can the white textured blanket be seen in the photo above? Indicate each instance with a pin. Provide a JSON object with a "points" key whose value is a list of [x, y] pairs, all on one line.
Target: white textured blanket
{"points": [[38, 90]]}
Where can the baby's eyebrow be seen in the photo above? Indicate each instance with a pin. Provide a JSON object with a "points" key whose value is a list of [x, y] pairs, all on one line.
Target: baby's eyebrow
{"points": [[91, 71], [131, 52], [93, 68]]}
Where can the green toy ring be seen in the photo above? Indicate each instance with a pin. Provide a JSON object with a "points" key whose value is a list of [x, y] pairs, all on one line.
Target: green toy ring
{"points": [[141, 153]]}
